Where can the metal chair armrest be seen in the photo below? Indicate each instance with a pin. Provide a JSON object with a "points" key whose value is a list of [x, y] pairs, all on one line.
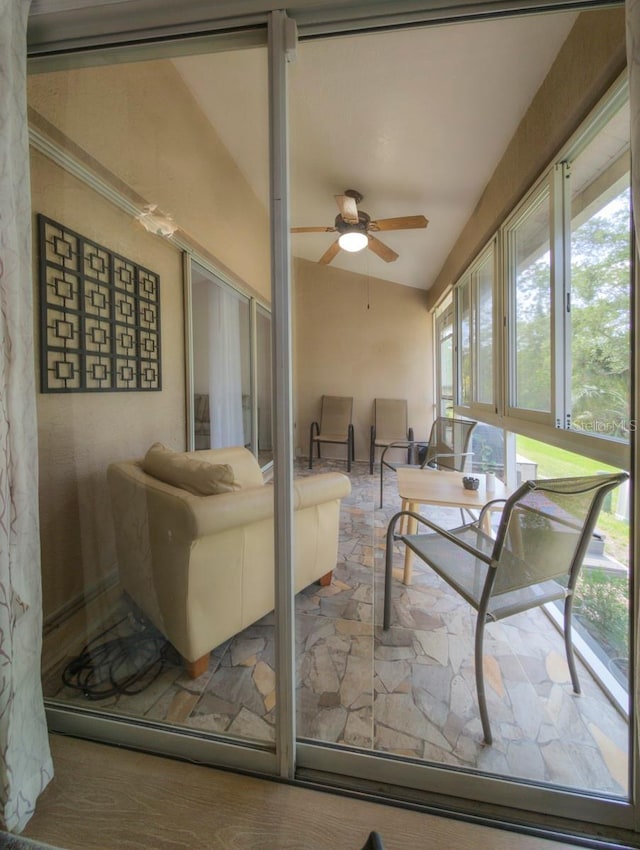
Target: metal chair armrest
{"points": [[435, 457], [401, 444], [442, 531]]}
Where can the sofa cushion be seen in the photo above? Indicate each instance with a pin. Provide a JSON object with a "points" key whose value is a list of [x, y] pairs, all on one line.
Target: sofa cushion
{"points": [[195, 476]]}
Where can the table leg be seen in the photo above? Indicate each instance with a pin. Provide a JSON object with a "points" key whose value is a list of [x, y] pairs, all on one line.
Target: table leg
{"points": [[412, 527], [486, 523]]}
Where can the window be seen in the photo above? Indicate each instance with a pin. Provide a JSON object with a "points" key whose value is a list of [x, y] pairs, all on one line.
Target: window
{"points": [[529, 282], [231, 401], [221, 364], [484, 329], [598, 397], [475, 303], [444, 360], [565, 285]]}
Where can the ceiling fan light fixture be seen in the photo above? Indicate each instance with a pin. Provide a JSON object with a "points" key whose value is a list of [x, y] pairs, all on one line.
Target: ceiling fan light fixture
{"points": [[353, 241]]}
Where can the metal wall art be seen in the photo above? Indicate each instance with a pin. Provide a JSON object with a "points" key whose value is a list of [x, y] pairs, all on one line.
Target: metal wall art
{"points": [[99, 316]]}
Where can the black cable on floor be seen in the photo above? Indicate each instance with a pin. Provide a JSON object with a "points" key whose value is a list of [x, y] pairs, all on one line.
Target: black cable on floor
{"points": [[126, 664]]}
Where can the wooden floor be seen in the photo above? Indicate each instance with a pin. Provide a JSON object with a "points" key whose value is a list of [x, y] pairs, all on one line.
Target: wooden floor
{"points": [[103, 798]]}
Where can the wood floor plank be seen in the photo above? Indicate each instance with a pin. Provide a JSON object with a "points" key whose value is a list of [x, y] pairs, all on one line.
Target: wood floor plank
{"points": [[103, 798]]}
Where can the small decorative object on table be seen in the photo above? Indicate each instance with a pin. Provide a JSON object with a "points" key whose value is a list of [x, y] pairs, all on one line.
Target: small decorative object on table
{"points": [[469, 482]]}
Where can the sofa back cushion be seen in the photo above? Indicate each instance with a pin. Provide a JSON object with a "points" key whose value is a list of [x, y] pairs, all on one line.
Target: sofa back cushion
{"points": [[246, 469], [179, 469]]}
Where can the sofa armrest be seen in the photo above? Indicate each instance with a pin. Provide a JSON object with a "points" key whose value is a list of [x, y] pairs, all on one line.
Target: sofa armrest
{"points": [[317, 489], [212, 514]]}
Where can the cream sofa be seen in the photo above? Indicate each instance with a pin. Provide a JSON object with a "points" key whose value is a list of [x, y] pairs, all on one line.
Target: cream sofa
{"points": [[201, 567]]}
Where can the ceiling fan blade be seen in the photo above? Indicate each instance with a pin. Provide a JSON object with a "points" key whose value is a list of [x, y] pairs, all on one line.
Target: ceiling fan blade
{"points": [[383, 251], [312, 229], [404, 222], [348, 208], [330, 253]]}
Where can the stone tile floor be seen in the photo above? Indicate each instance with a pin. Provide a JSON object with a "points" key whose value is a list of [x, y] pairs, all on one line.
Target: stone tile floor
{"points": [[409, 691]]}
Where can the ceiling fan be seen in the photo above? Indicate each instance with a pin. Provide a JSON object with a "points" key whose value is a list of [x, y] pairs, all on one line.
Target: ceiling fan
{"points": [[356, 229]]}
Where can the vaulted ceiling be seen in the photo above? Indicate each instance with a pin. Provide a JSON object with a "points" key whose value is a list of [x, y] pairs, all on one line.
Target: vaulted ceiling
{"points": [[416, 120]]}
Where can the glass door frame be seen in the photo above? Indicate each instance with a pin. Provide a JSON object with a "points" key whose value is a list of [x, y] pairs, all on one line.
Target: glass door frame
{"points": [[387, 777]]}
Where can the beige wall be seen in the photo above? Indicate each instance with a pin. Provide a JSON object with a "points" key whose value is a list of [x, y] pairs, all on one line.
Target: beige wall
{"points": [[362, 337], [591, 59], [81, 433], [139, 124]]}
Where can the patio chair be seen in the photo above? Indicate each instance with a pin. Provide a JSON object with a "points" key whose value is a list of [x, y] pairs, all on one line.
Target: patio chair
{"points": [[389, 425], [535, 558], [446, 448], [335, 426]]}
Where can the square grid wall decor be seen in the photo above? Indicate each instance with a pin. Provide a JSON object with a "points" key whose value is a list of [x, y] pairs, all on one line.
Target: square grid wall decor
{"points": [[99, 316]]}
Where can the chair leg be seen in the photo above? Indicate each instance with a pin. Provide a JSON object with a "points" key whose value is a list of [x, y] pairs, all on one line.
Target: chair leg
{"points": [[482, 699], [350, 447], [568, 644], [372, 449], [381, 479], [388, 576], [313, 429]]}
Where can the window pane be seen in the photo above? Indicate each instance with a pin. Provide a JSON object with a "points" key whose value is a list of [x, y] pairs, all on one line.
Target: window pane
{"points": [[445, 362], [484, 330], [600, 283], [464, 324], [602, 595], [533, 307]]}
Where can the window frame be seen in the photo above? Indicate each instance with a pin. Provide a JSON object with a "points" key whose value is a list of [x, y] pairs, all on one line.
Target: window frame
{"points": [[476, 408], [554, 426]]}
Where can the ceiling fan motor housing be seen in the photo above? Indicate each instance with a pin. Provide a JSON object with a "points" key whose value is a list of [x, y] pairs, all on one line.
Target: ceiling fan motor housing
{"points": [[362, 224]]}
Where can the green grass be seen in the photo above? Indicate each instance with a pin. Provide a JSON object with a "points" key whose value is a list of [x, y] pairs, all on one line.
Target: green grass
{"points": [[557, 463]]}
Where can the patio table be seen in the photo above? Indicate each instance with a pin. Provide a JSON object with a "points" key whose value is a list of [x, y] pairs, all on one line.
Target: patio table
{"points": [[443, 489]]}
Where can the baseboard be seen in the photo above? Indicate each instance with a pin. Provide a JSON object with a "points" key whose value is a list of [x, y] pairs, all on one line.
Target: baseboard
{"points": [[68, 628]]}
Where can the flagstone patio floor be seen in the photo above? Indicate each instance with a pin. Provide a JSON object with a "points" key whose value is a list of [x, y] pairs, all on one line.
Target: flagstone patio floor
{"points": [[406, 692]]}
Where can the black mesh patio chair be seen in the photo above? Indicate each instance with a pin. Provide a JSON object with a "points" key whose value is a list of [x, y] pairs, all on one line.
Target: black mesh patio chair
{"points": [[544, 531], [335, 426], [389, 424], [446, 448]]}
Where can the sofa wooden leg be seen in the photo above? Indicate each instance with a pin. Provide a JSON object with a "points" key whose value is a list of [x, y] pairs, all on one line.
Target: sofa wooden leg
{"points": [[198, 667], [326, 578]]}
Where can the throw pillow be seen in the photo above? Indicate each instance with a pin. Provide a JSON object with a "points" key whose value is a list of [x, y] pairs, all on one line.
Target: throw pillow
{"points": [[195, 476]]}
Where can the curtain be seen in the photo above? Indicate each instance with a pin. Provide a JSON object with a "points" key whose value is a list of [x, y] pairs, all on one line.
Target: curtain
{"points": [[225, 369], [633, 63], [25, 761]]}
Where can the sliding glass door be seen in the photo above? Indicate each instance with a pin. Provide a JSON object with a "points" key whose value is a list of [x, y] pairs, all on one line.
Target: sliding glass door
{"points": [[158, 595], [165, 260]]}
